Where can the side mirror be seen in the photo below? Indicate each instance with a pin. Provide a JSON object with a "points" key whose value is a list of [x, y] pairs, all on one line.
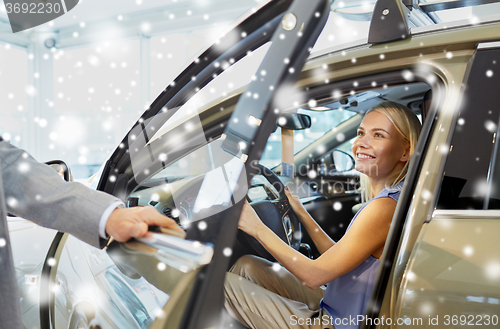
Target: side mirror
{"points": [[342, 161], [62, 169], [294, 121]]}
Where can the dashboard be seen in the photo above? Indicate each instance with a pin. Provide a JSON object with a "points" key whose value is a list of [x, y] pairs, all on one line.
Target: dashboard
{"points": [[185, 199]]}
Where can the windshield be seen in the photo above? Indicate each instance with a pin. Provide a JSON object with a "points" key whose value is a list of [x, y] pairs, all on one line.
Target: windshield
{"points": [[321, 123]]}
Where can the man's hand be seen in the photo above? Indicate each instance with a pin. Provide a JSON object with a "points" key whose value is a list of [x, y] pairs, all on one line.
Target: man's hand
{"points": [[126, 223]]}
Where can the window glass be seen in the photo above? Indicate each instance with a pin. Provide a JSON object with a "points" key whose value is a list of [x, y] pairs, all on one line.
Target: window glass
{"points": [[471, 179], [321, 123]]}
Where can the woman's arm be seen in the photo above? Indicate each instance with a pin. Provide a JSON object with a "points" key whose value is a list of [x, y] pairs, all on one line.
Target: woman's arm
{"points": [[321, 240], [367, 235]]}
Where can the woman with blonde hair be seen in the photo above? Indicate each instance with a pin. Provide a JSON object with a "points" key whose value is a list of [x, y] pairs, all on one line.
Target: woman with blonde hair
{"points": [[260, 294]]}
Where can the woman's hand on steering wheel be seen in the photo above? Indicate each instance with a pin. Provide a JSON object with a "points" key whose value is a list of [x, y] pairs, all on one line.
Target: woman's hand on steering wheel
{"points": [[294, 202], [250, 222]]}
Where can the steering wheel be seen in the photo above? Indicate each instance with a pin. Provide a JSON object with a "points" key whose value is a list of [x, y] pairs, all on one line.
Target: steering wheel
{"points": [[278, 215]]}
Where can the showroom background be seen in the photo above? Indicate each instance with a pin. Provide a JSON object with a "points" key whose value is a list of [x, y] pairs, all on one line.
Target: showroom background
{"points": [[70, 89]]}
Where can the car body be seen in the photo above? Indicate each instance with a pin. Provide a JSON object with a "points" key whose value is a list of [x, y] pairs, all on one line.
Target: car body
{"points": [[442, 256]]}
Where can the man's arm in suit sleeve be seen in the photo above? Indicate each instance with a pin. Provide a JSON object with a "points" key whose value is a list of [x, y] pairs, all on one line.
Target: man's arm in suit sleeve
{"points": [[36, 192]]}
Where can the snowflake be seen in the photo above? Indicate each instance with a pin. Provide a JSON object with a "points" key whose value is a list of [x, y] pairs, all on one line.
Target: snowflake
{"points": [[411, 276], [426, 194], [227, 252], [408, 75], [159, 313], [24, 167], [312, 174], [51, 261], [492, 270], [30, 90], [161, 266], [468, 251], [490, 126]]}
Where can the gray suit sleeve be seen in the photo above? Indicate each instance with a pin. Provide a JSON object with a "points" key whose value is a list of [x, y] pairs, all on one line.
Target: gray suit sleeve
{"points": [[34, 191]]}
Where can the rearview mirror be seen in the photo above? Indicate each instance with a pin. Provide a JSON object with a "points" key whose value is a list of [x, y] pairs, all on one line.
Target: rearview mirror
{"points": [[294, 121]]}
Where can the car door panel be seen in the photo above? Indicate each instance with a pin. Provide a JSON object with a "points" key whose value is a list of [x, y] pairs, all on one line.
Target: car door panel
{"points": [[453, 277]]}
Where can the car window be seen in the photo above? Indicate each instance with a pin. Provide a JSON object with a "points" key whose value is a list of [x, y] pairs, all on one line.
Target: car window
{"points": [[321, 123], [472, 171]]}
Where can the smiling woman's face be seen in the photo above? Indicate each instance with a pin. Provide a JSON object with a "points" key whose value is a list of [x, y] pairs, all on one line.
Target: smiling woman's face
{"points": [[379, 149]]}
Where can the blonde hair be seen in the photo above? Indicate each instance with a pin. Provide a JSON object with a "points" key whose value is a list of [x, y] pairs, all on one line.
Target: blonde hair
{"points": [[408, 125]]}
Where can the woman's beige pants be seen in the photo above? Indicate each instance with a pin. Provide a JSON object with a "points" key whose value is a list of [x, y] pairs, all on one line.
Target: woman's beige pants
{"points": [[263, 295]]}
